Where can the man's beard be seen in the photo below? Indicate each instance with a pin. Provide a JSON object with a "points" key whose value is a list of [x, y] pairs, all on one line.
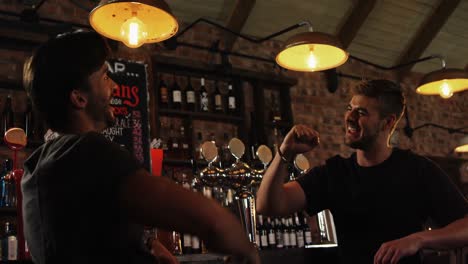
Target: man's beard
{"points": [[364, 143]]}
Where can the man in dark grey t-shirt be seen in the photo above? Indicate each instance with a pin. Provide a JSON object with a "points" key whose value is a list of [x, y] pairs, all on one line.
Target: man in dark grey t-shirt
{"points": [[85, 199]]}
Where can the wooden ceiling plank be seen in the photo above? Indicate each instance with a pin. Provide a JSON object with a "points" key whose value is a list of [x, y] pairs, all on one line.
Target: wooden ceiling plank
{"points": [[426, 33], [355, 20], [236, 21]]}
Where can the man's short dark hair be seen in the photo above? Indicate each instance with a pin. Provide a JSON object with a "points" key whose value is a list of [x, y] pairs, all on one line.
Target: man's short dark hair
{"points": [[59, 66], [389, 94]]}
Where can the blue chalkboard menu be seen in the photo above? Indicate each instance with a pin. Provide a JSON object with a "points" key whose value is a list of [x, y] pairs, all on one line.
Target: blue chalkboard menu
{"points": [[130, 102]]}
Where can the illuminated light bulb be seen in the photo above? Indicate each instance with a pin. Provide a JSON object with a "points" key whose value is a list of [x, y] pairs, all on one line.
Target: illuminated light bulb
{"points": [[312, 59], [133, 32], [445, 90]]}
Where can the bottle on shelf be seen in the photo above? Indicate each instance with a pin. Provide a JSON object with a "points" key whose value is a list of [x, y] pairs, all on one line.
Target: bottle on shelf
{"points": [[279, 234], [262, 232], [299, 231], [184, 145], [163, 93], [173, 144], [226, 157], [176, 95], [204, 100], [270, 227], [190, 103], [7, 115], [307, 231], [9, 243], [7, 185], [186, 237], [231, 101], [286, 231], [198, 151], [275, 110], [217, 99], [292, 233]]}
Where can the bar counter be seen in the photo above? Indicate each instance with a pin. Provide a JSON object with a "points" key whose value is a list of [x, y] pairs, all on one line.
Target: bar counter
{"points": [[272, 256]]}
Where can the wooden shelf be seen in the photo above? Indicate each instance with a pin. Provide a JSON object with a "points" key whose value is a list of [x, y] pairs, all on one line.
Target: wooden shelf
{"points": [[187, 163], [201, 115], [11, 211]]}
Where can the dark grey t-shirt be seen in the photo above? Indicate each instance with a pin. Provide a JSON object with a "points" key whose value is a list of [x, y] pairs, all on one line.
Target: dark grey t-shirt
{"points": [[71, 203], [373, 205]]}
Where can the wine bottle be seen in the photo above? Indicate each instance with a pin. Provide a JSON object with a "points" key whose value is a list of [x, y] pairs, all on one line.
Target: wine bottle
{"points": [[232, 102], [217, 99], [204, 101], [190, 96], [270, 227], [163, 93], [7, 115], [176, 95]]}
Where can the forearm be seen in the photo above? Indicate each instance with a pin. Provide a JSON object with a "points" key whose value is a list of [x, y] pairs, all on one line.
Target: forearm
{"points": [[454, 235], [271, 195]]}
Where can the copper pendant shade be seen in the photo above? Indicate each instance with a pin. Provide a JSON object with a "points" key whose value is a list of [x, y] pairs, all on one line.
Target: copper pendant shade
{"points": [[134, 22], [443, 82], [312, 51]]}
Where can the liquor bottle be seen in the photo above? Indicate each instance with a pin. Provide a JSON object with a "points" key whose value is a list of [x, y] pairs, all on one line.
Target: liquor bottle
{"points": [[9, 243], [28, 119], [270, 227], [176, 243], [217, 99], [176, 95], [173, 144], [195, 242], [292, 233], [279, 234], [198, 151], [226, 156], [163, 93], [190, 96], [186, 237], [204, 100], [7, 184], [184, 145], [299, 232], [286, 237], [7, 115], [262, 232], [255, 163], [231, 102], [275, 112], [307, 232]]}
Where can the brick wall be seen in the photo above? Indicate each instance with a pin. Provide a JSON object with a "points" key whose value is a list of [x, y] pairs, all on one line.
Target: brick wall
{"points": [[311, 103]]}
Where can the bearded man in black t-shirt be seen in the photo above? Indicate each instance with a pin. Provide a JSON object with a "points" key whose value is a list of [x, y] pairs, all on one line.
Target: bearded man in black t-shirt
{"points": [[380, 196]]}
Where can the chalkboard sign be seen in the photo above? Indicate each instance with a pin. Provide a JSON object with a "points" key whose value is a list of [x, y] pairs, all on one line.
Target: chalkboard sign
{"points": [[130, 102]]}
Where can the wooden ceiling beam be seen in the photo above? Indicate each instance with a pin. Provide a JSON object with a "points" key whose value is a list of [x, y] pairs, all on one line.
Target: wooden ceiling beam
{"points": [[236, 21], [355, 20], [427, 32]]}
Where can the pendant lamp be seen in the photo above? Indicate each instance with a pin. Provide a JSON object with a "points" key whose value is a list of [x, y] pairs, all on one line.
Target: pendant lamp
{"points": [[312, 51], [134, 22], [443, 82]]}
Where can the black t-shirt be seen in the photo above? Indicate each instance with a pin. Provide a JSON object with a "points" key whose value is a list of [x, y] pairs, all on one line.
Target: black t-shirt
{"points": [[71, 203], [373, 205]]}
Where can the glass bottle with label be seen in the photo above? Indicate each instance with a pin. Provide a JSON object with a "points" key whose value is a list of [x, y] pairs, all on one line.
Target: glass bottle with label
{"points": [[231, 101], [176, 95], [163, 93], [190, 103], [184, 145], [204, 100], [217, 99]]}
